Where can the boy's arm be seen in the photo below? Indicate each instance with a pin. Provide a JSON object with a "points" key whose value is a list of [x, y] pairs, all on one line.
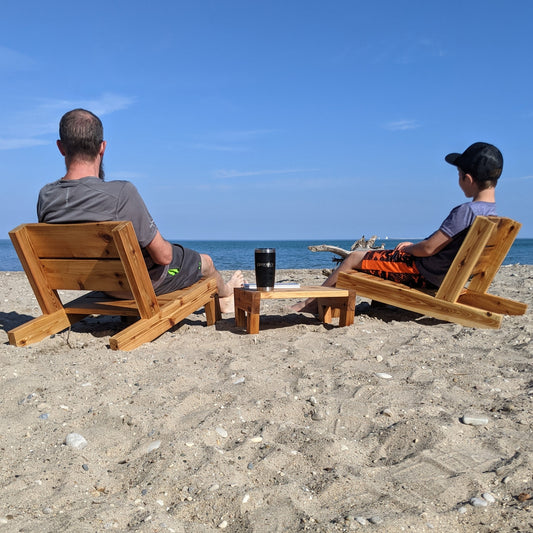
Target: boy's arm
{"points": [[430, 246]]}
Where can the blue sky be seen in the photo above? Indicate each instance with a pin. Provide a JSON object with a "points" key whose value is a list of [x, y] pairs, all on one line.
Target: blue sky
{"points": [[271, 120]]}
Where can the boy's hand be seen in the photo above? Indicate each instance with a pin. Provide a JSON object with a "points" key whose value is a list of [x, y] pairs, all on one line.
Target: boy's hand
{"points": [[427, 247], [403, 245]]}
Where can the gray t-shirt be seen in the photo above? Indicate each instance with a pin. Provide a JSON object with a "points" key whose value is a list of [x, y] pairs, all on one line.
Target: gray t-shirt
{"points": [[455, 225], [92, 199]]}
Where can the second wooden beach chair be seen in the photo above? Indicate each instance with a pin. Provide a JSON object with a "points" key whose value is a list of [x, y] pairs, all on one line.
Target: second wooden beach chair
{"points": [[462, 297]]}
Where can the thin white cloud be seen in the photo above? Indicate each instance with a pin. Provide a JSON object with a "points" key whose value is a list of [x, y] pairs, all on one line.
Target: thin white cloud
{"points": [[402, 125], [13, 144], [34, 125], [404, 51], [224, 174], [521, 178], [240, 135], [105, 104], [276, 185], [216, 147], [227, 141], [125, 175], [15, 61], [108, 103], [433, 48]]}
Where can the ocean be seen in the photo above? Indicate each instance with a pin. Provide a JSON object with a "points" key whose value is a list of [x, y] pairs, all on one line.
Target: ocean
{"points": [[232, 255]]}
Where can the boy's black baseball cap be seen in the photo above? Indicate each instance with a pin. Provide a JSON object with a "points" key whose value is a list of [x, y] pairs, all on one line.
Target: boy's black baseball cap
{"points": [[482, 161]]}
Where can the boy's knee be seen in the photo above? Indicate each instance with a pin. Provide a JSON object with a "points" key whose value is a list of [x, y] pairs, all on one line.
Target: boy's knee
{"points": [[355, 259]]}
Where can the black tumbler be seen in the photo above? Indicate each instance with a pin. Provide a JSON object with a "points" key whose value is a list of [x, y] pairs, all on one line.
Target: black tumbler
{"points": [[265, 268]]}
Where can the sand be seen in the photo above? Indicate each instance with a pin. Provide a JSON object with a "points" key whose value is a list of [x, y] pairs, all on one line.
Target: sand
{"points": [[303, 427]]}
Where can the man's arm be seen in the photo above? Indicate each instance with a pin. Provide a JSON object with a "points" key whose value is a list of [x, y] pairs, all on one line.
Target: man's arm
{"points": [[430, 246], [160, 250]]}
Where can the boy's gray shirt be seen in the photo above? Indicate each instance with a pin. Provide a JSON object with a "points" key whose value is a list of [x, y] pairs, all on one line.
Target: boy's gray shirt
{"points": [[456, 226]]}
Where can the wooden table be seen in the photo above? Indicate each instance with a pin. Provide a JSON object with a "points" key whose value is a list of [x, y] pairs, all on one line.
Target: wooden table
{"points": [[332, 302]]}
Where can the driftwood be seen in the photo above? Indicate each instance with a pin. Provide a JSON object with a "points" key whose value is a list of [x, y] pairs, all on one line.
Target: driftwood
{"points": [[328, 248], [360, 244]]}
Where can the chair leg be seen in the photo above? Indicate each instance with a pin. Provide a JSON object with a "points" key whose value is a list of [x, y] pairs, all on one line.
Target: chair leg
{"points": [[212, 311], [147, 329], [348, 310], [41, 327]]}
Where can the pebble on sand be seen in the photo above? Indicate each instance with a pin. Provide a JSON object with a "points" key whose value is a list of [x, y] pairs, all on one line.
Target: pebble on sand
{"points": [[75, 440], [153, 446], [222, 432], [318, 414], [475, 420], [479, 502], [489, 497]]}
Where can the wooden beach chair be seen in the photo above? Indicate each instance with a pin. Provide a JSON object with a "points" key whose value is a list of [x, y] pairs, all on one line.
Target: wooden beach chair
{"points": [[102, 256], [462, 298]]}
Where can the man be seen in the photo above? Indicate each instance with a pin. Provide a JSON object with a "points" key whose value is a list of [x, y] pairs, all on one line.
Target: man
{"points": [[82, 195]]}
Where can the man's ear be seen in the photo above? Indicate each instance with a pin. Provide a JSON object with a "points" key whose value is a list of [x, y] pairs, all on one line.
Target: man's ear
{"points": [[60, 147], [102, 148]]}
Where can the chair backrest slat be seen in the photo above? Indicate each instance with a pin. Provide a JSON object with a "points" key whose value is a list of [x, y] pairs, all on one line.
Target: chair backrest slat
{"points": [[86, 274], [493, 255], [465, 261], [91, 240], [102, 256], [135, 269]]}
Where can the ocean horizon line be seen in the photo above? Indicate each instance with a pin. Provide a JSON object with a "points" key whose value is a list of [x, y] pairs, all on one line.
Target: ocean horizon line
{"points": [[294, 254]]}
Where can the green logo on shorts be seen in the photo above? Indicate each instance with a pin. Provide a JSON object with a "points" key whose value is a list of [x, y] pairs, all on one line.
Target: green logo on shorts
{"points": [[173, 271]]}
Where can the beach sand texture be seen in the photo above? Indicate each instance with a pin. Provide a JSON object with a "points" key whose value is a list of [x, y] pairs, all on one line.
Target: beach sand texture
{"points": [[303, 427]]}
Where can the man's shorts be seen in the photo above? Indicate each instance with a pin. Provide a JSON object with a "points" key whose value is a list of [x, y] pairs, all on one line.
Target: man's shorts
{"points": [[394, 265], [184, 270]]}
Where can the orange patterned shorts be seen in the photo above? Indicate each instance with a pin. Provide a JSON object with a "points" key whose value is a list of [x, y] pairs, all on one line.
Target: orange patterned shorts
{"points": [[394, 265]]}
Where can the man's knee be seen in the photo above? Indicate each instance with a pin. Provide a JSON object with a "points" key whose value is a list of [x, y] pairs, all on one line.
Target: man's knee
{"points": [[208, 267]]}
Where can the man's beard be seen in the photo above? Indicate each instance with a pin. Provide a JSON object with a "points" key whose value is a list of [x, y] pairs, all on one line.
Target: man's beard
{"points": [[101, 173]]}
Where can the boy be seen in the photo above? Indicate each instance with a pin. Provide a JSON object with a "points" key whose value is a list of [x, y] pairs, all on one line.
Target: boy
{"points": [[425, 263]]}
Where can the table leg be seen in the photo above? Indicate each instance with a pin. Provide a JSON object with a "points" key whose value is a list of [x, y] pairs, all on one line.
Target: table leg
{"points": [[247, 309], [325, 313], [343, 308]]}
